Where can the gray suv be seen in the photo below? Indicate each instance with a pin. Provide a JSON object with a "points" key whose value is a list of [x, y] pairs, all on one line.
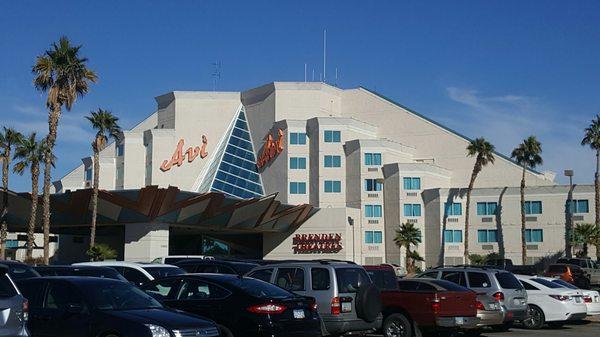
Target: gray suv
{"points": [[347, 300], [500, 284], [13, 307]]}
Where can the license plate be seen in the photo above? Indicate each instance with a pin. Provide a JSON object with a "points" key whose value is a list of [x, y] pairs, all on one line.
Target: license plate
{"points": [[346, 306], [298, 314], [459, 320]]}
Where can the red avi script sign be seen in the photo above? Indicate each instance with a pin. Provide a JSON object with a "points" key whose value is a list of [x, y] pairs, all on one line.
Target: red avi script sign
{"points": [[272, 148], [179, 156], [327, 243]]}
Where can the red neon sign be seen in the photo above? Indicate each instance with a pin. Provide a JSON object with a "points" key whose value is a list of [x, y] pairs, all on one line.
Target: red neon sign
{"points": [[317, 243], [271, 149], [179, 156]]}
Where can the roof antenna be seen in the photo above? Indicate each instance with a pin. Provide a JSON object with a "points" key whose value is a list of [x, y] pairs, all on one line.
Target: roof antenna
{"points": [[336, 77], [216, 75], [313, 75], [324, 55], [304, 72]]}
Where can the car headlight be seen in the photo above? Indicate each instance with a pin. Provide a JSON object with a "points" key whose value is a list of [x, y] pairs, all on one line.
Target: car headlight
{"points": [[158, 331]]}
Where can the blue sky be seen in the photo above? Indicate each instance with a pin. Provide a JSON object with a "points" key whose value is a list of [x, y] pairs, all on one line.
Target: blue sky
{"points": [[498, 69]]}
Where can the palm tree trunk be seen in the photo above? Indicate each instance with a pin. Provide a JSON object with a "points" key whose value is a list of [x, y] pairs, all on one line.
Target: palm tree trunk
{"points": [[3, 227], [35, 176], [597, 187], [407, 260], [53, 118], [95, 195], [468, 206], [523, 229]]}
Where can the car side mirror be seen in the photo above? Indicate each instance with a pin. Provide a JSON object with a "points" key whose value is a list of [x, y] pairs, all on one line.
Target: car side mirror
{"points": [[74, 308]]}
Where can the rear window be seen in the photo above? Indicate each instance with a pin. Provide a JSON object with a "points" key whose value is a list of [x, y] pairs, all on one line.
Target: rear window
{"points": [[350, 279], [546, 283], [508, 281], [557, 269], [457, 277], [290, 278], [20, 272], [6, 287], [160, 272], [565, 284], [478, 280], [383, 279], [320, 279]]}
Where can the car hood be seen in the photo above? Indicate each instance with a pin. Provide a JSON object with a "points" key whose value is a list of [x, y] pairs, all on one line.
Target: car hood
{"points": [[169, 319]]}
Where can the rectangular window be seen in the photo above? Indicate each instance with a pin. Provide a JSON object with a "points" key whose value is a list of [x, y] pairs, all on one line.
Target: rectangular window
{"points": [[333, 186], [297, 187], [373, 185], [297, 138], [332, 136], [487, 235], [453, 209], [579, 206], [297, 163], [373, 237], [333, 161], [412, 183], [534, 235], [533, 207], [88, 174], [120, 150], [373, 211], [453, 236], [487, 208], [412, 210], [373, 159]]}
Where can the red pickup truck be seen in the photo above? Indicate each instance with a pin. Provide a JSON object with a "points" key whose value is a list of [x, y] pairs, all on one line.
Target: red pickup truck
{"points": [[414, 306]]}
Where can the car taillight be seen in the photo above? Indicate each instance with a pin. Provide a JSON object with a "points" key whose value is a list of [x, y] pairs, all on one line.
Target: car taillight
{"points": [[313, 306], [560, 297], [480, 306], [436, 305], [25, 310], [336, 307], [499, 296], [269, 308], [587, 299]]}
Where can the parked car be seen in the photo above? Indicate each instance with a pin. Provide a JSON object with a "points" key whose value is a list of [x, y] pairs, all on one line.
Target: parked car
{"points": [[91, 307], [590, 268], [590, 297], [18, 270], [570, 273], [137, 273], [500, 284], [347, 299], [216, 266], [398, 269], [550, 303], [171, 259], [93, 271], [14, 307], [242, 306], [508, 265]]}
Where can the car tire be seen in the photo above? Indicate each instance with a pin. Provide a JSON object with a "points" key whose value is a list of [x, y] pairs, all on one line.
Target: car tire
{"points": [[397, 325], [535, 318], [225, 332], [368, 302]]}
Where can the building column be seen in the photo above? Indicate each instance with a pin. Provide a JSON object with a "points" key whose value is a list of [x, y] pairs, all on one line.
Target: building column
{"points": [[145, 242]]}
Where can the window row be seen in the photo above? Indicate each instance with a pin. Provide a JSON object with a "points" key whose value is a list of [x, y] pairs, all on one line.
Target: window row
{"points": [[487, 208], [373, 211], [412, 210], [373, 185], [412, 183], [491, 235], [373, 159], [579, 206], [333, 186], [333, 161], [297, 163], [373, 237], [333, 136]]}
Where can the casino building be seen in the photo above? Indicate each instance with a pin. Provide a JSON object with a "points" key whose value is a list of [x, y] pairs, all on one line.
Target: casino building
{"points": [[305, 170]]}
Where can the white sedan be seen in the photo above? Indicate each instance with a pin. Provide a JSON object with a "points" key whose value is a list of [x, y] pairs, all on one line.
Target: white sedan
{"points": [[590, 297], [551, 303]]}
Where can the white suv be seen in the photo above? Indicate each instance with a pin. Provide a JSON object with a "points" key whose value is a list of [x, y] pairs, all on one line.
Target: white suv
{"points": [[138, 273]]}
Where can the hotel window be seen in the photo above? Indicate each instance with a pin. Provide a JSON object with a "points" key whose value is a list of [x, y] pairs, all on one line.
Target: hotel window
{"points": [[88, 174], [534, 235], [333, 186], [373, 185], [332, 136], [297, 138], [487, 235], [373, 211], [579, 206], [120, 150], [373, 237], [412, 210], [453, 236], [487, 208], [453, 209], [297, 187], [533, 207], [412, 183], [373, 159], [333, 161], [297, 163]]}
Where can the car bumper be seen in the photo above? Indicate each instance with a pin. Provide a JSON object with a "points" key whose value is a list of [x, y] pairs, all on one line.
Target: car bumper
{"points": [[593, 308], [576, 316], [514, 315], [490, 317], [339, 325], [457, 322]]}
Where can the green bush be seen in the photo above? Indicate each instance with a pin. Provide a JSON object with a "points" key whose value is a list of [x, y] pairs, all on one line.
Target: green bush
{"points": [[101, 252]]}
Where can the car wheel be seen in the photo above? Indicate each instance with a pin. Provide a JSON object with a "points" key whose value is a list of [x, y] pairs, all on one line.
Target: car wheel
{"points": [[397, 325], [535, 318], [225, 332], [556, 325]]}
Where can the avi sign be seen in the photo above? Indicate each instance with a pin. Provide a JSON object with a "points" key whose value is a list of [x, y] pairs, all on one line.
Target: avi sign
{"points": [[179, 155], [270, 150]]}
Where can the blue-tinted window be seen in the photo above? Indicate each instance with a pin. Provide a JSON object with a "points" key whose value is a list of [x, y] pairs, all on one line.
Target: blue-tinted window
{"points": [[333, 136], [533, 207], [412, 210], [297, 187], [453, 236], [412, 183], [487, 235], [333, 186], [297, 138], [373, 159], [297, 163], [373, 185], [88, 173], [579, 206], [534, 235], [120, 149], [373, 237], [373, 211], [487, 208], [453, 209], [333, 161]]}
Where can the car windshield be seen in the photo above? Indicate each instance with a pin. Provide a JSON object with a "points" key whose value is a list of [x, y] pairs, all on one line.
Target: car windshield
{"points": [[159, 272], [20, 272], [508, 281], [546, 283], [350, 279], [261, 289], [117, 296], [564, 284]]}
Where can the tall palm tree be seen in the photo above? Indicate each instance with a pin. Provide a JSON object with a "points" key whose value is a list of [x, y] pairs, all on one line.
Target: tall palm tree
{"points": [[106, 125], [528, 155], [61, 73], [483, 151], [586, 234], [30, 153], [592, 138], [407, 235], [9, 138]]}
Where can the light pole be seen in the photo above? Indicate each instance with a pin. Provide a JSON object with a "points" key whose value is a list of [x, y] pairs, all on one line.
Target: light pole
{"points": [[351, 223], [569, 227]]}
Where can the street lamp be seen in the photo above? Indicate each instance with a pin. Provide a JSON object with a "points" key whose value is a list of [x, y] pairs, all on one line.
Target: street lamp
{"points": [[569, 227], [351, 223]]}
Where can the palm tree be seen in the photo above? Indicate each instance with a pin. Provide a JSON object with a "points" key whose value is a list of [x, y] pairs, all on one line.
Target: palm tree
{"points": [[407, 235], [9, 138], [586, 234], [30, 153], [528, 155], [62, 73], [483, 151], [592, 138], [106, 125]]}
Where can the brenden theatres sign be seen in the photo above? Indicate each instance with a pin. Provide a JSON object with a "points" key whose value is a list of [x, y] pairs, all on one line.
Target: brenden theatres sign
{"points": [[328, 243]]}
